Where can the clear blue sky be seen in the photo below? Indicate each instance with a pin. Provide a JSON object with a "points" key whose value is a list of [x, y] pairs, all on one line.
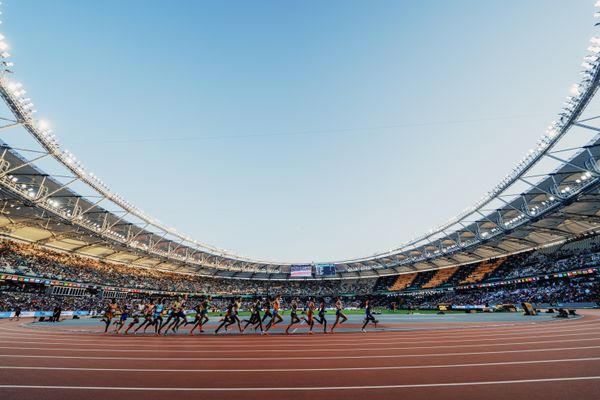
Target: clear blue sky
{"points": [[299, 131]]}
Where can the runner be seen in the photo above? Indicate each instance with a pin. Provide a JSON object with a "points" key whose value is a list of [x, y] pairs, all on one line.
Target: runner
{"points": [[206, 305], [276, 317], [157, 316], [198, 319], [173, 315], [293, 315], [148, 314], [136, 320], [227, 318], [267, 307], [255, 319], [109, 314], [17, 314], [125, 311], [339, 313], [368, 316], [310, 313], [181, 317], [321, 316], [234, 318]]}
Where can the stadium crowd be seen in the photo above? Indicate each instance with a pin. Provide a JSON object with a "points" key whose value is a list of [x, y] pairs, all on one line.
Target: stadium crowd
{"points": [[32, 260], [564, 257], [580, 289]]}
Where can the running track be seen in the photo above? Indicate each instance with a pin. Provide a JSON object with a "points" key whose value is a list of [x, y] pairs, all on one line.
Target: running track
{"points": [[545, 360]]}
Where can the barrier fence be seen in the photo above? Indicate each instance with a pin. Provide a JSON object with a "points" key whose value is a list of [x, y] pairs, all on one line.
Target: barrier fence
{"points": [[37, 314]]}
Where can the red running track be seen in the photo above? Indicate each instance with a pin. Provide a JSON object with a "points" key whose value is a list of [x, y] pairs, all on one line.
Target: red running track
{"points": [[547, 360]]}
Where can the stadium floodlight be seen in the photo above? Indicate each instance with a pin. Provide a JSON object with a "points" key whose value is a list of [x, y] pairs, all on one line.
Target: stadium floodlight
{"points": [[43, 124], [12, 86]]}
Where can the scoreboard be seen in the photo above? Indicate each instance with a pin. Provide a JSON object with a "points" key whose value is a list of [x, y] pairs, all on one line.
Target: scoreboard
{"points": [[325, 269], [301, 271]]}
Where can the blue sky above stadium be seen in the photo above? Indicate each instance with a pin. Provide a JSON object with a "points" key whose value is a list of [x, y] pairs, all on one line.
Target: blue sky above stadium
{"points": [[307, 131]]}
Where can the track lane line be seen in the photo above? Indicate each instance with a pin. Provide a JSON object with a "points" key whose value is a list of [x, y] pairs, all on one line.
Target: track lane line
{"points": [[301, 388], [199, 345], [403, 367], [96, 350], [295, 358]]}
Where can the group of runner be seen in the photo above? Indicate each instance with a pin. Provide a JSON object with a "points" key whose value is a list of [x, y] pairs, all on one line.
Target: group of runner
{"points": [[264, 315]]}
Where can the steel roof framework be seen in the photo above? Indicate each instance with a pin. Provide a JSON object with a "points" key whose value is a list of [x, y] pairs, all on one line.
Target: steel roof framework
{"points": [[527, 209]]}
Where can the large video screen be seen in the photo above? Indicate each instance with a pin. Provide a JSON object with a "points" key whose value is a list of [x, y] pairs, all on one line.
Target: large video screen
{"points": [[325, 269], [301, 271]]}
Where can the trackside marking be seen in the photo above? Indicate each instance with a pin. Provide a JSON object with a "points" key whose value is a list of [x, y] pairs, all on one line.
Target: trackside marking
{"points": [[312, 346], [563, 360], [301, 388], [320, 358], [104, 350]]}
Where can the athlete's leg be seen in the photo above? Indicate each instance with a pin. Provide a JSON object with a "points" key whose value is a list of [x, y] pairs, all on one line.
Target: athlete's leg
{"points": [[163, 324], [131, 325], [337, 319], [225, 321], [196, 324], [158, 322], [344, 318], [294, 319], [258, 322], [204, 321]]}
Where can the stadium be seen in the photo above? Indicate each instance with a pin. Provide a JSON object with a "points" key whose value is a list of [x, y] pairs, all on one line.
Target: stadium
{"points": [[101, 299]]}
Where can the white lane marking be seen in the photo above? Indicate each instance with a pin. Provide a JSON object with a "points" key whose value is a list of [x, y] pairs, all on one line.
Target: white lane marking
{"points": [[301, 388], [371, 349], [563, 360], [314, 346], [319, 358]]}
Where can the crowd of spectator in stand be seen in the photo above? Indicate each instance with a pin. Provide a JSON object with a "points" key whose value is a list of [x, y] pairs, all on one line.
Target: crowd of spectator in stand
{"points": [[580, 289], [562, 258], [32, 260], [41, 301]]}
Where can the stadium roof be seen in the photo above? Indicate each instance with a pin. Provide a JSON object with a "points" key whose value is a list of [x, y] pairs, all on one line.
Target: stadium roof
{"points": [[551, 195]]}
